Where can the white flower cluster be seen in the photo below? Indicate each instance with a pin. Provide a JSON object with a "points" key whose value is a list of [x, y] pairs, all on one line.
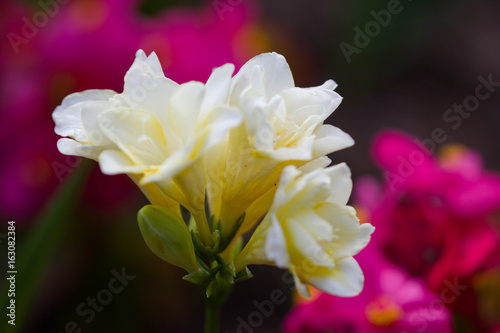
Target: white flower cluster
{"points": [[252, 147]]}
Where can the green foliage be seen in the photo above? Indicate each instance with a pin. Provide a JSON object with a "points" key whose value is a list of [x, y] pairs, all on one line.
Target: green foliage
{"points": [[38, 248], [168, 236]]}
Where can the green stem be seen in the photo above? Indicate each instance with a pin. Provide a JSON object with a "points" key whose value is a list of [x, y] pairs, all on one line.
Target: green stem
{"points": [[201, 221], [41, 244], [212, 316]]}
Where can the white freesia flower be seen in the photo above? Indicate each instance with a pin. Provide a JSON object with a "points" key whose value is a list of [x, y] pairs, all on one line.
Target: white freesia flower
{"points": [[285, 122], [310, 231], [229, 138], [156, 130], [254, 145], [283, 125]]}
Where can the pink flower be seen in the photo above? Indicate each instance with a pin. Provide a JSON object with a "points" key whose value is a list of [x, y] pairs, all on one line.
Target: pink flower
{"points": [[391, 301], [433, 215]]}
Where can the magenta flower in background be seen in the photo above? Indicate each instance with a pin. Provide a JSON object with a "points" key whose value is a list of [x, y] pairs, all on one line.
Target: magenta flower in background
{"points": [[90, 44], [391, 301], [434, 216]]}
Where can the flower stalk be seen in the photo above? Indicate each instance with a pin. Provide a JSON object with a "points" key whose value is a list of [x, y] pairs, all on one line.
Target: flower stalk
{"points": [[201, 222], [218, 159], [212, 316]]}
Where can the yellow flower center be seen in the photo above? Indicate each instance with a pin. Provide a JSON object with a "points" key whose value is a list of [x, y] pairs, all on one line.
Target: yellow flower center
{"points": [[383, 311]]}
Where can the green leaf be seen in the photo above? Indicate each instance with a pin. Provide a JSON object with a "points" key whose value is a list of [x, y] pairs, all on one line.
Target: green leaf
{"points": [[220, 289], [243, 275], [227, 272], [203, 251], [216, 238], [38, 248], [235, 251], [168, 236], [212, 288], [201, 277]]}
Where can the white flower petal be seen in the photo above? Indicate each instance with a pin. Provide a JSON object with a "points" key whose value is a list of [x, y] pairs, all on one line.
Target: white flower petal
{"points": [[137, 133], [90, 112], [315, 225], [68, 115], [288, 175], [301, 240], [152, 61], [301, 287], [146, 87], [350, 236], [329, 139], [314, 230], [146, 64], [84, 96], [277, 74], [173, 165], [220, 120], [340, 183], [276, 247], [345, 279], [69, 123], [303, 193], [302, 103], [318, 163], [218, 123], [183, 109], [217, 88], [329, 84], [264, 137], [114, 162], [71, 147], [301, 152]]}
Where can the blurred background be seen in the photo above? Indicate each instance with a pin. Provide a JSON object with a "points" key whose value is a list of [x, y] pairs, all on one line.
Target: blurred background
{"points": [[404, 73]]}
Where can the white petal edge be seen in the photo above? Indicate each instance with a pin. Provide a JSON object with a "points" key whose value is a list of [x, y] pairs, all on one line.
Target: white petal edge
{"points": [[329, 139], [71, 147], [277, 73], [340, 182], [276, 247], [68, 115], [318, 163], [113, 162], [301, 287], [352, 236], [302, 152], [217, 88], [346, 279]]}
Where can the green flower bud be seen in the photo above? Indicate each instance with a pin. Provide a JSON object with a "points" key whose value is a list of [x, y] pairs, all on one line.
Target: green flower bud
{"points": [[167, 236]]}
